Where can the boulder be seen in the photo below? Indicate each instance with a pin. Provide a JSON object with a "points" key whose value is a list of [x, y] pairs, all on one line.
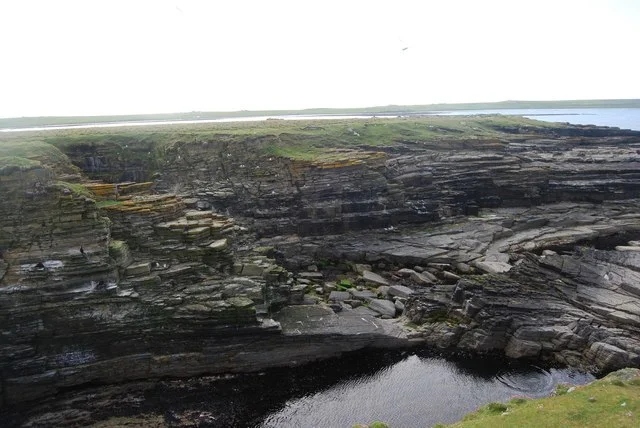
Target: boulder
{"points": [[360, 268], [383, 307], [383, 290], [458, 294], [424, 278], [404, 272], [493, 267], [363, 295], [373, 278], [464, 268], [608, 357], [328, 287], [365, 311], [311, 275], [219, 245], [627, 248], [339, 296], [518, 348], [450, 276], [473, 306], [252, 269], [353, 303], [400, 291]]}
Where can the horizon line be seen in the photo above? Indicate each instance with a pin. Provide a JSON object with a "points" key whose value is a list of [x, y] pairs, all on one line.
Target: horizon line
{"points": [[354, 109]]}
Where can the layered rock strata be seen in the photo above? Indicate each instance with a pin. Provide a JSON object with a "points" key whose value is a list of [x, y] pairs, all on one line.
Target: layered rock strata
{"points": [[322, 255], [144, 288], [411, 182], [495, 284]]}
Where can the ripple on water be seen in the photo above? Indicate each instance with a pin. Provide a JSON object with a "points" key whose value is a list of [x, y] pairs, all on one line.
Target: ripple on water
{"points": [[419, 391]]}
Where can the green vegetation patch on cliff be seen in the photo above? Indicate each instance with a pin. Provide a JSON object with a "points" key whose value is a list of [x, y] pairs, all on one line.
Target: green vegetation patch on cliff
{"points": [[108, 203], [310, 140], [77, 189], [12, 163], [119, 252], [613, 401], [319, 140], [33, 150]]}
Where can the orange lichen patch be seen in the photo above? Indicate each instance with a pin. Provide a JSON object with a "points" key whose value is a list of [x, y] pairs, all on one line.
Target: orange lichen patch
{"points": [[104, 191]]}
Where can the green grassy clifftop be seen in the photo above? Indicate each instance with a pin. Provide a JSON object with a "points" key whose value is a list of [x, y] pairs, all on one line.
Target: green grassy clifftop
{"points": [[613, 401]]}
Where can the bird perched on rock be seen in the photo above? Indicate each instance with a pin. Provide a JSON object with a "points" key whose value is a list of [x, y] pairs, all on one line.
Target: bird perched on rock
{"points": [[83, 253]]}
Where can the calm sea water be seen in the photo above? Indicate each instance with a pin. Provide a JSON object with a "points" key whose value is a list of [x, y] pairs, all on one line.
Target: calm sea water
{"points": [[625, 118]]}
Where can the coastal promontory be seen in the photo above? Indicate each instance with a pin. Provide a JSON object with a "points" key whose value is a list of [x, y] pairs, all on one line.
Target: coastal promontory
{"points": [[144, 253]]}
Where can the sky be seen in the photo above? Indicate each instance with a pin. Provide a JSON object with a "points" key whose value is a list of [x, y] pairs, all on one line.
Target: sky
{"points": [[97, 57]]}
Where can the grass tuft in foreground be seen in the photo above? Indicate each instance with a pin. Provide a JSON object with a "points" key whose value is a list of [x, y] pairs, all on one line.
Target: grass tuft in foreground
{"points": [[613, 401]]}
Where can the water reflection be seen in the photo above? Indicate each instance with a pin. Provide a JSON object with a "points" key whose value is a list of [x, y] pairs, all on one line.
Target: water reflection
{"points": [[406, 389], [420, 390]]}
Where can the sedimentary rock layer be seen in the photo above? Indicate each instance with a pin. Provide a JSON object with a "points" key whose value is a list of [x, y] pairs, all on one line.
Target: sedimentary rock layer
{"points": [[232, 255]]}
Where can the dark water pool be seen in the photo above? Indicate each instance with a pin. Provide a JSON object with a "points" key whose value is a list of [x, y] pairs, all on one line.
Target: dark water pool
{"points": [[419, 390], [405, 389]]}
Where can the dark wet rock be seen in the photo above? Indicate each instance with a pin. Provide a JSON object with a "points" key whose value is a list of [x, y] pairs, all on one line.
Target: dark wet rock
{"points": [[458, 294]]}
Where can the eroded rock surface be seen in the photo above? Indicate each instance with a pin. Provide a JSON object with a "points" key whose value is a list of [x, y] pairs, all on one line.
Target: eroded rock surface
{"points": [[524, 243]]}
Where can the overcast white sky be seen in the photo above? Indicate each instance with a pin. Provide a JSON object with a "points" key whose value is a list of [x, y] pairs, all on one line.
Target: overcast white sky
{"points": [[110, 57]]}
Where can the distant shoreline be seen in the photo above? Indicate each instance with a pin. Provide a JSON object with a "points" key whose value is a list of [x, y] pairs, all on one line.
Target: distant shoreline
{"points": [[392, 110]]}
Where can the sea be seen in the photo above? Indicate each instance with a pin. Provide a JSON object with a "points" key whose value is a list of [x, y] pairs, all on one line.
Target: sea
{"points": [[625, 118]]}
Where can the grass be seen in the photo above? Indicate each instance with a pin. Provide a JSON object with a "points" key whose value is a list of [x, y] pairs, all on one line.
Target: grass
{"points": [[338, 141], [107, 203], [344, 284], [376, 424], [76, 188], [30, 149], [118, 250], [610, 402], [18, 162]]}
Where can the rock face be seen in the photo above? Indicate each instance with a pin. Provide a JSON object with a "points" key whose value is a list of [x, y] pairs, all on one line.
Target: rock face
{"points": [[143, 288], [473, 240], [578, 305], [411, 182]]}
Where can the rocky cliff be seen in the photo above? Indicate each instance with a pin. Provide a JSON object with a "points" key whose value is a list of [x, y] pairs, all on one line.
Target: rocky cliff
{"points": [[238, 247]]}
